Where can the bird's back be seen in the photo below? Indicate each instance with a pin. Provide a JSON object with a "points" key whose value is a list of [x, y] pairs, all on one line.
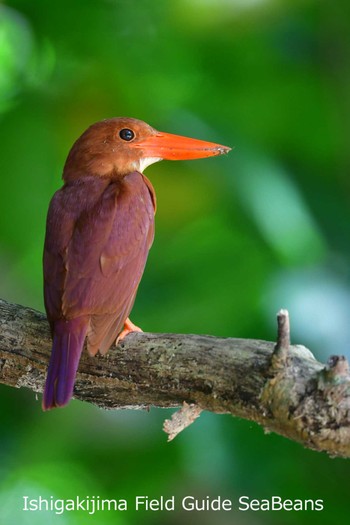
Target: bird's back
{"points": [[97, 240], [98, 236]]}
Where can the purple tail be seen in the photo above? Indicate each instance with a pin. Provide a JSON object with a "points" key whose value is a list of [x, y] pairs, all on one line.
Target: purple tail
{"points": [[68, 343]]}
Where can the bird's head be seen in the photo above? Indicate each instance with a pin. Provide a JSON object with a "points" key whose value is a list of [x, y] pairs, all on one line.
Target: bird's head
{"points": [[118, 146]]}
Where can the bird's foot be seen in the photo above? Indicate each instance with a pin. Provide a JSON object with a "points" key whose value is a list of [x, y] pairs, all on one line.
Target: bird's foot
{"points": [[128, 328]]}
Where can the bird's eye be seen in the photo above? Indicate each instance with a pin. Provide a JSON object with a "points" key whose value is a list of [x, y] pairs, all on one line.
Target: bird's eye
{"points": [[126, 134]]}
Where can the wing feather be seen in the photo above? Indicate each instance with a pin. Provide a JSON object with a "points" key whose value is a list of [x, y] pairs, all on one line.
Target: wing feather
{"points": [[98, 237]]}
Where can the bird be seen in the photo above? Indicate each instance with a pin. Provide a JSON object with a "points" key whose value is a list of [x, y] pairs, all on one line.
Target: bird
{"points": [[99, 229]]}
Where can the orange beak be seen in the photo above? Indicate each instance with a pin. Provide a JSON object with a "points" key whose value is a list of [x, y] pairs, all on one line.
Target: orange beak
{"points": [[174, 147]]}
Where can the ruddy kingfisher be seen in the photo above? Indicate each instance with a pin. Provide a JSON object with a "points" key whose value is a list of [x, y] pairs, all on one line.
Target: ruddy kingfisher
{"points": [[100, 227]]}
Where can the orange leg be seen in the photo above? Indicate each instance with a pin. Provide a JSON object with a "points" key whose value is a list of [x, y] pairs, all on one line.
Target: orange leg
{"points": [[128, 328]]}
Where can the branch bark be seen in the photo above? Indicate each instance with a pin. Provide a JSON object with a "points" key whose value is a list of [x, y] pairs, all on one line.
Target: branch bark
{"points": [[281, 387]]}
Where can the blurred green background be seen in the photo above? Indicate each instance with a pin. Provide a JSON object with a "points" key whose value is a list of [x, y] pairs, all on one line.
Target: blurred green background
{"points": [[237, 237]]}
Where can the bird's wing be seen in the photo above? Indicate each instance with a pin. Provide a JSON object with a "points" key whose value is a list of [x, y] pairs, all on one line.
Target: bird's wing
{"points": [[95, 252]]}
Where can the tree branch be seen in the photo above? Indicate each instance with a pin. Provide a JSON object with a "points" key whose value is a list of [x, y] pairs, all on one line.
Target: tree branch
{"points": [[282, 387]]}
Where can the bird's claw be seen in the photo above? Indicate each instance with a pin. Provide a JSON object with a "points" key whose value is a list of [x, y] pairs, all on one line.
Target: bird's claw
{"points": [[128, 328]]}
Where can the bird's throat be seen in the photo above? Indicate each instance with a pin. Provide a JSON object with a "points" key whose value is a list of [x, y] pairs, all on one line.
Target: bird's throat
{"points": [[141, 164]]}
